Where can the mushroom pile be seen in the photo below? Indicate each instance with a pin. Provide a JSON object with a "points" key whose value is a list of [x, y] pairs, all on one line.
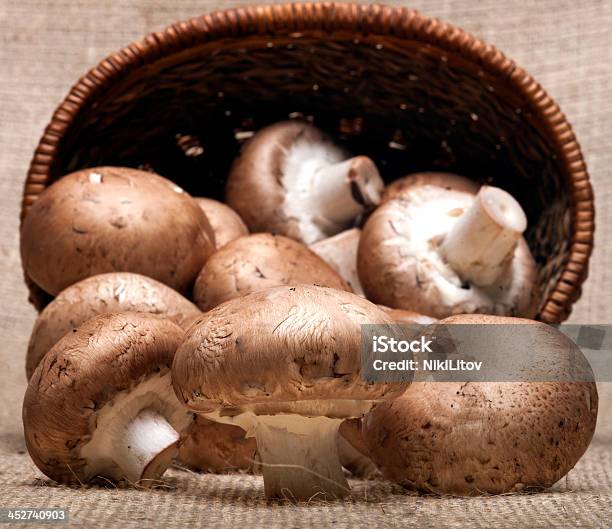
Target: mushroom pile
{"points": [[228, 337]]}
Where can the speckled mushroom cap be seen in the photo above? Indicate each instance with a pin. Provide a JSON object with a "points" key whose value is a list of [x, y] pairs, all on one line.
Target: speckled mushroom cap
{"points": [[86, 372], [259, 261], [399, 264], [280, 350], [103, 293], [402, 188], [486, 437], [225, 222], [114, 219]]}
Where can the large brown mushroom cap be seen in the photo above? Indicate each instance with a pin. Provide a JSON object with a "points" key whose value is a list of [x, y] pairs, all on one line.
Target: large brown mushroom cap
{"points": [[291, 179], [84, 377], [114, 219], [486, 437], [277, 347], [225, 222], [257, 262], [103, 293], [401, 265]]}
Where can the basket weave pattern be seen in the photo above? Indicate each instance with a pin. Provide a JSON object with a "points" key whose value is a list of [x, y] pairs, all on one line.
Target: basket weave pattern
{"points": [[411, 92]]}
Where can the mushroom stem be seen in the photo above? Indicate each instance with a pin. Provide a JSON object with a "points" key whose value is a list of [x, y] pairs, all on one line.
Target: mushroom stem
{"points": [[346, 188], [147, 447], [299, 457], [482, 242]]}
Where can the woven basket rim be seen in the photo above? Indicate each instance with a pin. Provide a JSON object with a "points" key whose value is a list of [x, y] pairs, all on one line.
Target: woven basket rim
{"points": [[330, 18]]}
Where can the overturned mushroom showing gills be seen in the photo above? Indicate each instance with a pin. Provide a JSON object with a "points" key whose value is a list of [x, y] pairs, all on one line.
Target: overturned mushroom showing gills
{"points": [[114, 219], [489, 437], [284, 364], [340, 252], [104, 293], [225, 222], [439, 245], [292, 180], [101, 402], [257, 262]]}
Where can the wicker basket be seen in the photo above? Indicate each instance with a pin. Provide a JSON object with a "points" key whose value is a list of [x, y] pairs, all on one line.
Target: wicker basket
{"points": [[411, 92]]}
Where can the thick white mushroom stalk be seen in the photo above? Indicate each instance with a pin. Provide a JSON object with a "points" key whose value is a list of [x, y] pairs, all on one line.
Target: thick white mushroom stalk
{"points": [[137, 435], [298, 452], [325, 191], [147, 447], [483, 240], [299, 457]]}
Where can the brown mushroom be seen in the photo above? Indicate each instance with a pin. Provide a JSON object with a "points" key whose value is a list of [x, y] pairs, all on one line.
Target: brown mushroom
{"points": [[340, 252], [439, 247], [209, 446], [284, 364], [114, 219], [225, 222], [408, 316], [470, 438], [113, 292], [290, 179], [260, 261], [353, 451], [101, 401]]}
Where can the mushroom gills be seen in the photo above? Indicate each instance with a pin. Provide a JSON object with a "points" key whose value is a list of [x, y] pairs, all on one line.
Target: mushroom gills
{"points": [[136, 437], [298, 455], [482, 242], [340, 252], [326, 192]]}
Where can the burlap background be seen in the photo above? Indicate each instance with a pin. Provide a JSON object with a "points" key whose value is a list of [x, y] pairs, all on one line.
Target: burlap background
{"points": [[46, 45]]}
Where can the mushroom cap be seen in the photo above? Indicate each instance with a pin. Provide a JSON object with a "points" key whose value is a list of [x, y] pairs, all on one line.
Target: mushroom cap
{"points": [[485, 437], [225, 222], [255, 187], [87, 370], [399, 265], [103, 293], [340, 252], [114, 219], [282, 350], [259, 261], [408, 316], [403, 188], [210, 446]]}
